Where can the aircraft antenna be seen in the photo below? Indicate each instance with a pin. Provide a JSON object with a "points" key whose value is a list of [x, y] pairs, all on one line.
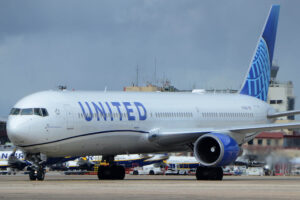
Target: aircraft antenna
{"points": [[62, 87]]}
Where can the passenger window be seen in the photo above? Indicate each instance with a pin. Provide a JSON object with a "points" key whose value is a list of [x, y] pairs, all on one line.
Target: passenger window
{"points": [[37, 111], [26, 111], [44, 111]]}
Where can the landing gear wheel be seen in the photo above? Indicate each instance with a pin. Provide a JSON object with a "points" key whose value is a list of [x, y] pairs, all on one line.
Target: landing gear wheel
{"points": [[119, 172], [200, 173], [219, 174], [32, 175], [103, 173], [209, 173], [37, 175], [40, 175], [113, 172]]}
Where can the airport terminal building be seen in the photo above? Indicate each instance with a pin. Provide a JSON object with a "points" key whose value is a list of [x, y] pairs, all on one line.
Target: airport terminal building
{"points": [[3, 135]]}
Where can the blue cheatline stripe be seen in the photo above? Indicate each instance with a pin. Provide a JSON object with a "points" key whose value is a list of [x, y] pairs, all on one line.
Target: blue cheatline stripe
{"points": [[95, 133], [83, 135]]}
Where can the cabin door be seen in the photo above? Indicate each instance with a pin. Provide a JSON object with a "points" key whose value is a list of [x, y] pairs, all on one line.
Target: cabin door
{"points": [[69, 117]]}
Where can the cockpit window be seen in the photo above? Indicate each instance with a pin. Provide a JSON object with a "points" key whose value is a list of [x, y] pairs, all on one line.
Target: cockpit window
{"points": [[15, 111], [26, 111], [37, 111], [29, 111], [44, 111]]}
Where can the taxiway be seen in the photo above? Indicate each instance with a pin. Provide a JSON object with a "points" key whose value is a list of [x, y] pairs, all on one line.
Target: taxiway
{"points": [[58, 186]]}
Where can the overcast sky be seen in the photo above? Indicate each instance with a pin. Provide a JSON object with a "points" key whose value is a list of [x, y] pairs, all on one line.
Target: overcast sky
{"points": [[90, 45]]}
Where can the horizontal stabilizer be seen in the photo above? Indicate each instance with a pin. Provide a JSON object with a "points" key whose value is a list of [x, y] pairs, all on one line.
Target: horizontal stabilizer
{"points": [[286, 113]]}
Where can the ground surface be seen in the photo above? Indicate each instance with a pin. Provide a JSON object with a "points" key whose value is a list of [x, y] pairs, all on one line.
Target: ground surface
{"points": [[58, 186]]}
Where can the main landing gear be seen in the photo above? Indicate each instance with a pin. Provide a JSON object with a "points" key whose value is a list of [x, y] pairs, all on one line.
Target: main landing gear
{"points": [[209, 173], [112, 171]]}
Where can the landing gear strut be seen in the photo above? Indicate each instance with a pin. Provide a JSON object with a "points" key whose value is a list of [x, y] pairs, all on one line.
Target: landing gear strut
{"points": [[209, 173], [112, 171]]}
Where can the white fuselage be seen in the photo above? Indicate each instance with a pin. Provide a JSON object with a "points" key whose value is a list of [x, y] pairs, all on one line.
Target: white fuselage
{"points": [[120, 122]]}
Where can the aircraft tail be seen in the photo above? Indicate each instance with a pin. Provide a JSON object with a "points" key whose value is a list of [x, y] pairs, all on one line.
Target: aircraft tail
{"points": [[257, 81]]}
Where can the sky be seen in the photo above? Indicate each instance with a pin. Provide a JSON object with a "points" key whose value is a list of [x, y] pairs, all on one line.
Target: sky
{"points": [[93, 45]]}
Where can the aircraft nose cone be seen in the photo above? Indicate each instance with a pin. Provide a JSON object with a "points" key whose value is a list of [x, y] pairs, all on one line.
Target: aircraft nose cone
{"points": [[16, 131]]}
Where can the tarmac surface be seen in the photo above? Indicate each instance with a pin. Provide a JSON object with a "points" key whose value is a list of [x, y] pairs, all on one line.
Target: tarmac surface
{"points": [[58, 186]]}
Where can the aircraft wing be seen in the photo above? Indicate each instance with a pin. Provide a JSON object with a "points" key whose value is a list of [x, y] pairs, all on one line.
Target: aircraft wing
{"points": [[286, 113], [184, 137], [265, 127], [4, 165]]}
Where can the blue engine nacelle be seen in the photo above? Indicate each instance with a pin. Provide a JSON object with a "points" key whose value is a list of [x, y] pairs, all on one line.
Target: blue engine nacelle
{"points": [[215, 150]]}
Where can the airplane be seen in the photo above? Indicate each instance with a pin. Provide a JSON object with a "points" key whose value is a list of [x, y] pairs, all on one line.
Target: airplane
{"points": [[51, 124], [13, 160], [127, 161]]}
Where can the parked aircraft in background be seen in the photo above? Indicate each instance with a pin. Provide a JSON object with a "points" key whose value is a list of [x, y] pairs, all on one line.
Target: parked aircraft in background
{"points": [[52, 124], [12, 159], [127, 161]]}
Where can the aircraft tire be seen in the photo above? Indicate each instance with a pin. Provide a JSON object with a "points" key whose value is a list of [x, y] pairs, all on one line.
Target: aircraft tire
{"points": [[209, 173], [40, 175], [99, 173], [219, 174], [119, 172], [104, 173], [111, 172], [32, 175], [200, 173]]}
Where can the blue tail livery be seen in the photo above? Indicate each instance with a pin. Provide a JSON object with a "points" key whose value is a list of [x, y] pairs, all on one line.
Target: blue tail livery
{"points": [[257, 81]]}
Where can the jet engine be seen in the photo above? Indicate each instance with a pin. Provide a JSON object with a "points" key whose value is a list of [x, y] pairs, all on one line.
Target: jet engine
{"points": [[216, 149]]}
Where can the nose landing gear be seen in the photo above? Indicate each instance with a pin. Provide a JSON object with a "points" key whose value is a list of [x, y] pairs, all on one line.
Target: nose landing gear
{"points": [[37, 174], [37, 170], [112, 171]]}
